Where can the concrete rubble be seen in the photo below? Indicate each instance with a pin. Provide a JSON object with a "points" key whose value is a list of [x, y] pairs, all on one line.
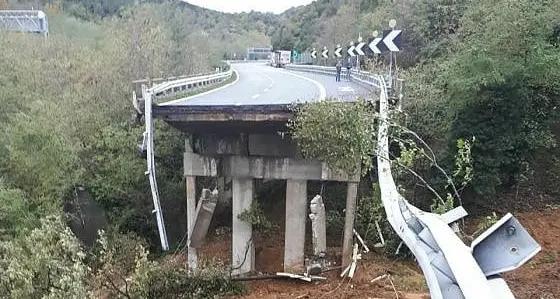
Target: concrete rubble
{"points": [[203, 217], [318, 225]]}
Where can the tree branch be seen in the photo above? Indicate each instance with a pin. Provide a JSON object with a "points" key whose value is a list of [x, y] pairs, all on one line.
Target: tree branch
{"points": [[432, 159]]}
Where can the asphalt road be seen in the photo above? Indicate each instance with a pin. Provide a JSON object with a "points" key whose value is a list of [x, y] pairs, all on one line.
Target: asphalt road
{"points": [[260, 84]]}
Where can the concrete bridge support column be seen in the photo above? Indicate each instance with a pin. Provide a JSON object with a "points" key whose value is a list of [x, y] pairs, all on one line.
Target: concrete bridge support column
{"points": [[191, 215], [347, 246], [243, 251], [296, 212], [190, 181]]}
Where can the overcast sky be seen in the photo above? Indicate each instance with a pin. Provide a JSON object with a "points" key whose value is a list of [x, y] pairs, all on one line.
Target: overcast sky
{"points": [[275, 6]]}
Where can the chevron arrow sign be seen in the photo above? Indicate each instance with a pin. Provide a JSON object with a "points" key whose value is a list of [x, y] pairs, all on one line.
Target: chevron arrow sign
{"points": [[358, 50], [393, 40], [373, 45], [314, 54], [337, 52], [351, 51], [366, 49], [325, 53]]}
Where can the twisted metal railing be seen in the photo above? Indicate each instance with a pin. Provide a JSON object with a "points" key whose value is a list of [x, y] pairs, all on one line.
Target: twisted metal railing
{"points": [[452, 270]]}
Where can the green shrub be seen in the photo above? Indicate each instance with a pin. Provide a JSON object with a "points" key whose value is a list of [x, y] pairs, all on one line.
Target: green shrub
{"points": [[123, 271], [47, 262]]}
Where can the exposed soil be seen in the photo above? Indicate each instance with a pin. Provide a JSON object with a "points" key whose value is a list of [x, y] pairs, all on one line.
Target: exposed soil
{"points": [[538, 279]]}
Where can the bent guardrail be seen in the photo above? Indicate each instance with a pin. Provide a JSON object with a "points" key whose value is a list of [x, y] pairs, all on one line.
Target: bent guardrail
{"points": [[452, 270], [166, 89]]}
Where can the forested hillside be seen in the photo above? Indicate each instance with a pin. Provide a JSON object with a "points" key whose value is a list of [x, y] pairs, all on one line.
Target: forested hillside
{"points": [[485, 71], [477, 68], [68, 138]]}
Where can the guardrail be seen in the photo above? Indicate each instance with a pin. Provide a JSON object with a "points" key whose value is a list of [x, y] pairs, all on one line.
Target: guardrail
{"points": [[170, 88], [365, 78]]}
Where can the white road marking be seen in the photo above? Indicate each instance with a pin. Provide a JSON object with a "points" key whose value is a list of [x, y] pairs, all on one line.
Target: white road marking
{"points": [[346, 89], [204, 93], [256, 96], [270, 79], [322, 90], [266, 90]]}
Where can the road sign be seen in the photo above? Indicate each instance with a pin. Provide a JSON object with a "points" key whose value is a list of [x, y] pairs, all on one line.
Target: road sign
{"points": [[374, 45], [314, 53], [393, 40], [325, 53], [358, 50], [337, 52], [366, 49], [351, 51], [295, 54]]}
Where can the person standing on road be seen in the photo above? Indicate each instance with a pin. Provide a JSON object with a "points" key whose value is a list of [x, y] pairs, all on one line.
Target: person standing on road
{"points": [[348, 68], [338, 70]]}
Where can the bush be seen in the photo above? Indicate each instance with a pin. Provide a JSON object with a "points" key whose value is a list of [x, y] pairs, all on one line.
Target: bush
{"points": [[48, 262], [341, 134], [124, 271]]}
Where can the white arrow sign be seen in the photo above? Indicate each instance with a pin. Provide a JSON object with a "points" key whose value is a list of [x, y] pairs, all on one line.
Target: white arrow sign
{"points": [[325, 53], [389, 40], [359, 49], [373, 45], [337, 52], [314, 54], [351, 51]]}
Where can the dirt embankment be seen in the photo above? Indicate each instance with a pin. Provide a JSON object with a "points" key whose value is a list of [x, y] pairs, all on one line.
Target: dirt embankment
{"points": [[538, 279]]}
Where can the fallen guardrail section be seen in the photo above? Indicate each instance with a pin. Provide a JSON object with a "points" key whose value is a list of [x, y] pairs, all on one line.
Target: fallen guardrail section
{"points": [[452, 269], [144, 107]]}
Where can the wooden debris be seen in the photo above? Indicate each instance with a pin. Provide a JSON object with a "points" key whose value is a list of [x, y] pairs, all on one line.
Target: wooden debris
{"points": [[379, 277], [382, 244], [366, 249], [351, 269], [309, 278]]}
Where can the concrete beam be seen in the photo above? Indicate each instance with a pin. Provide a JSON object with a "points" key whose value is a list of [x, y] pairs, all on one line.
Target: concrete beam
{"points": [[204, 212], [197, 165], [217, 145], [351, 196], [270, 145], [263, 168], [243, 251], [178, 116], [296, 210]]}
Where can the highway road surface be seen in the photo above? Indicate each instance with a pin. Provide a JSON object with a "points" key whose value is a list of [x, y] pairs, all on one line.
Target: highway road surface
{"points": [[260, 84]]}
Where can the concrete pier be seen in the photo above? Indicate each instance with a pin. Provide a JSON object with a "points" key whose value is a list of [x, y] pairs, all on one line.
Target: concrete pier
{"points": [[191, 215], [243, 256], [190, 182], [351, 197], [296, 211], [244, 157]]}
